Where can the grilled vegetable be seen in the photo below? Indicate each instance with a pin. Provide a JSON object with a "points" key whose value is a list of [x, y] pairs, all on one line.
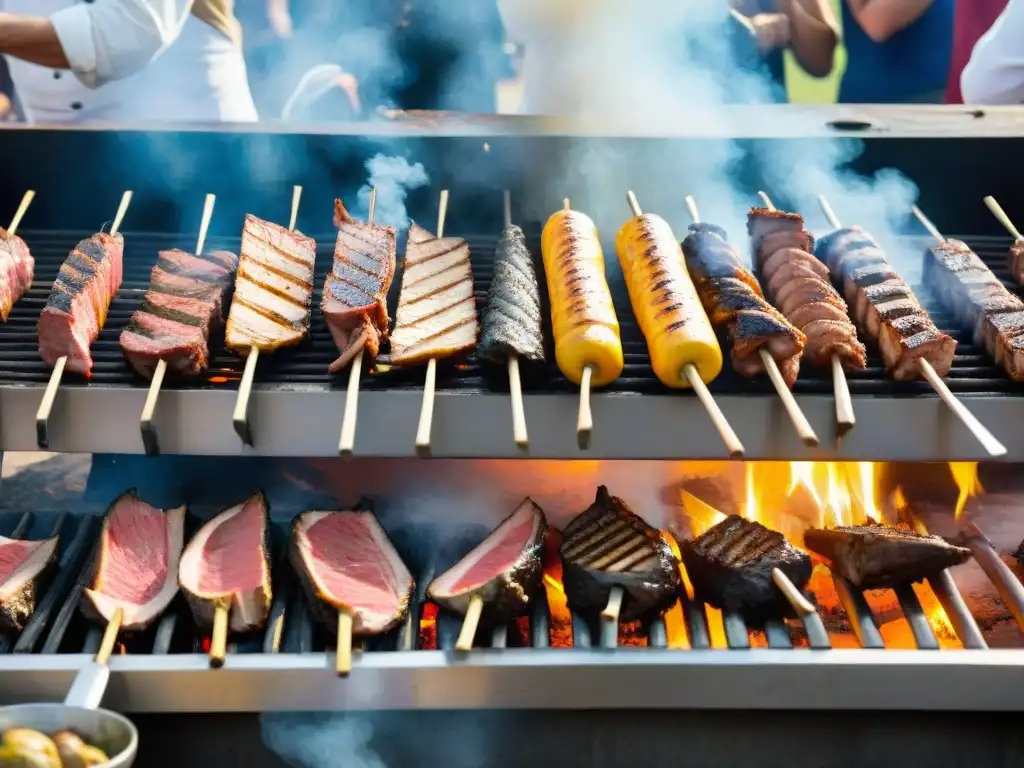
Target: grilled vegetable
{"points": [[24, 746], [511, 321], [75, 753], [583, 318], [665, 302]]}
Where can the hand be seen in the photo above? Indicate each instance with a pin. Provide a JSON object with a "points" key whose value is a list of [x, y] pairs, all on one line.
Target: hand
{"points": [[771, 30]]}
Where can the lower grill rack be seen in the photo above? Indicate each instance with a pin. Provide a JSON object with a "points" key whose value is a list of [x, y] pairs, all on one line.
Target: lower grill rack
{"points": [[695, 656]]}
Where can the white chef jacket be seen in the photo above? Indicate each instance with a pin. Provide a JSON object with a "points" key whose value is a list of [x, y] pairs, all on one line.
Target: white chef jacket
{"points": [[995, 73], [132, 61]]}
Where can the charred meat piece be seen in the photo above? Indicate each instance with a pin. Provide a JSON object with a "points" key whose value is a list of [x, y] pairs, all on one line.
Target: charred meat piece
{"points": [[355, 298], [228, 563], [137, 564], [77, 307], [347, 563], [1015, 260], [17, 267], [884, 306], [511, 324], [732, 298], [436, 315], [505, 569], [273, 289], [876, 556], [730, 566], [609, 546], [23, 564], [177, 316], [798, 285]]}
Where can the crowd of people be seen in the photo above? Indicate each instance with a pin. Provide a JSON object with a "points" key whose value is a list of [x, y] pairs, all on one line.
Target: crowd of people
{"points": [[242, 60]]}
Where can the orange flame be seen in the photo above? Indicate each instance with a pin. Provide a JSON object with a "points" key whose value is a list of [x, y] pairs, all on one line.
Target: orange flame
{"points": [[965, 474]]}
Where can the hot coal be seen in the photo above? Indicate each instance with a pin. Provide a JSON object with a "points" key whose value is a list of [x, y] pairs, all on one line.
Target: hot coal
{"points": [[505, 569], [730, 566], [876, 556], [137, 564], [347, 563], [23, 564], [610, 546]]}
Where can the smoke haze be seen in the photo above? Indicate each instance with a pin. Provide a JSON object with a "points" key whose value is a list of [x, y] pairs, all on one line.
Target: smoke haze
{"points": [[393, 177]]}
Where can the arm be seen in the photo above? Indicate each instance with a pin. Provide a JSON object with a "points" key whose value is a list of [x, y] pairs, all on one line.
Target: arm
{"points": [[995, 73], [881, 19], [103, 41], [813, 34]]}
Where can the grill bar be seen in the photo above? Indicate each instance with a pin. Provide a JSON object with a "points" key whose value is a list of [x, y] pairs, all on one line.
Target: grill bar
{"points": [[919, 626], [859, 613]]}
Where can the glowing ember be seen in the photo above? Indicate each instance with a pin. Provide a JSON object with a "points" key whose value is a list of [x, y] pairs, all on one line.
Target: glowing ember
{"points": [[560, 627], [219, 379], [428, 627], [965, 473], [204, 643], [675, 623]]}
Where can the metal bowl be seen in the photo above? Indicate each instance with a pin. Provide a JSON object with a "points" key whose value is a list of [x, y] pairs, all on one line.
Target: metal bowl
{"points": [[111, 732]]}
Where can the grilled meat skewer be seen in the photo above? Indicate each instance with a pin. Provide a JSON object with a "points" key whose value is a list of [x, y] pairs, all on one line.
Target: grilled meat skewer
{"points": [[732, 298], [23, 565], [511, 322]]}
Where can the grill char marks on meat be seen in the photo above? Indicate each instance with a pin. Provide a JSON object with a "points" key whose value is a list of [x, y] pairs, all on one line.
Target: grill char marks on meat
{"points": [[504, 570], [436, 315], [183, 305], [876, 556], [730, 566], [884, 306], [77, 306], [273, 289], [355, 294], [979, 301], [733, 300], [609, 546], [23, 565], [799, 287], [228, 563], [347, 563], [511, 323], [137, 564], [17, 267], [1015, 260]]}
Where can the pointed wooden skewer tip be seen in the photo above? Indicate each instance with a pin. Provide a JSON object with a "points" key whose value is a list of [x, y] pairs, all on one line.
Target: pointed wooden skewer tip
{"points": [[795, 597], [469, 624], [611, 611], [110, 633], [425, 425], [347, 442], [219, 636], [1003, 218], [343, 658], [26, 201]]}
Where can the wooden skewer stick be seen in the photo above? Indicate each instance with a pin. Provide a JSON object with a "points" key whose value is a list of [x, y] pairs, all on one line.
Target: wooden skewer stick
{"points": [[692, 376], [610, 614], [343, 662], [149, 437], [240, 418], [26, 201], [469, 624], [346, 445], [969, 420], [584, 418], [795, 597], [427, 406], [46, 405], [1000, 214], [515, 387], [845, 419], [219, 637], [110, 636]]}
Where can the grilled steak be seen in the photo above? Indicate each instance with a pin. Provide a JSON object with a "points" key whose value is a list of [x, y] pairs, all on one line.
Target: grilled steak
{"points": [[1015, 260], [733, 300], [273, 290], [876, 556], [730, 566], [137, 564], [511, 323], [346, 562], [177, 316], [77, 307], [228, 563], [17, 267], [436, 315], [798, 285], [609, 546], [505, 569], [355, 299], [22, 565]]}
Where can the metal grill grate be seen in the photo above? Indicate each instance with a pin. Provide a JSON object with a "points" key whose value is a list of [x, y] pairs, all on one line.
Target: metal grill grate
{"points": [[58, 627], [972, 372]]}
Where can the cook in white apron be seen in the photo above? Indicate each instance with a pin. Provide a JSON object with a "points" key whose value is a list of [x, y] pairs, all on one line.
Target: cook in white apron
{"points": [[135, 61]]}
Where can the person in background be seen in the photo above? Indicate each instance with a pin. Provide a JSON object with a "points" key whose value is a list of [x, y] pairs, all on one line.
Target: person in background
{"points": [[995, 72], [898, 51], [971, 20], [126, 60]]}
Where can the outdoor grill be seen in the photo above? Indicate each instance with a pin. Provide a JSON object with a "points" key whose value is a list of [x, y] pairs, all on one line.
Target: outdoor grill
{"points": [[953, 644]]}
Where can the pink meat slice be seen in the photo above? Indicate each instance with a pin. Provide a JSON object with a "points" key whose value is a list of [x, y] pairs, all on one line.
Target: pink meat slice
{"points": [[21, 564], [13, 552], [137, 567]]}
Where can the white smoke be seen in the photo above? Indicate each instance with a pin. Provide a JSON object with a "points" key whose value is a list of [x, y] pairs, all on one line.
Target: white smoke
{"points": [[393, 177], [315, 740]]}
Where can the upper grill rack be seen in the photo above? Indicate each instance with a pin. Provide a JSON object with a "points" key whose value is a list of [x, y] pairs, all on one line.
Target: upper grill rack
{"points": [[973, 370], [59, 627]]}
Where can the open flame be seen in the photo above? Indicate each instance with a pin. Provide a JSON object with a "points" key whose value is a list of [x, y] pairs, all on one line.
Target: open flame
{"points": [[965, 474]]}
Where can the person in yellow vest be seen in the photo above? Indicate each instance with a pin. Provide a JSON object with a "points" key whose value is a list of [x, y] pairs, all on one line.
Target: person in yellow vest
{"points": [[126, 60]]}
